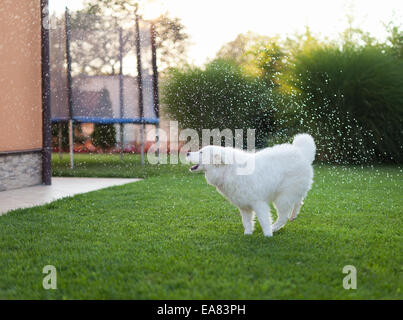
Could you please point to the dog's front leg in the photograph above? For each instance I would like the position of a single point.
(248, 220)
(262, 211)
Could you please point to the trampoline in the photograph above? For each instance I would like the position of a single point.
(75, 94)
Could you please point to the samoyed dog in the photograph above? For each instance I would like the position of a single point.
(281, 174)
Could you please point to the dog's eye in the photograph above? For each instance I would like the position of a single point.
(201, 152)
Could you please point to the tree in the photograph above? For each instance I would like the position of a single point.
(354, 36)
(95, 45)
(238, 50)
(304, 42)
(242, 50)
(260, 56)
(171, 41)
(395, 40)
(269, 59)
(171, 37)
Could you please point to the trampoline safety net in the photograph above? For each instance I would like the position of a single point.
(102, 70)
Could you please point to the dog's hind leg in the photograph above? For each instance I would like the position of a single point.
(262, 211)
(248, 220)
(295, 211)
(283, 207)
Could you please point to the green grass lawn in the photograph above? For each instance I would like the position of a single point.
(171, 236)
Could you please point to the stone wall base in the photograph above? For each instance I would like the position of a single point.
(19, 170)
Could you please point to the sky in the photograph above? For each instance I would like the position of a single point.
(211, 23)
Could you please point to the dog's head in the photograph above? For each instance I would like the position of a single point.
(208, 157)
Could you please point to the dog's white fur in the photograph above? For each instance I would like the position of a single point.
(282, 174)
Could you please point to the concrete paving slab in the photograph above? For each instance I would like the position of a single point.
(60, 188)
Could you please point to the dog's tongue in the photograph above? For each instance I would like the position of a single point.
(194, 167)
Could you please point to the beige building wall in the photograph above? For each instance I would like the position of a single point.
(20, 75)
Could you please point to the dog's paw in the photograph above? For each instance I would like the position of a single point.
(276, 228)
(268, 235)
(248, 232)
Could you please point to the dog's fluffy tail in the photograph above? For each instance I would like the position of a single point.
(306, 144)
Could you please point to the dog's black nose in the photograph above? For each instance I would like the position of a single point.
(188, 154)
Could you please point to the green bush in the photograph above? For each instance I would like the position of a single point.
(104, 135)
(221, 96)
(351, 100)
(65, 135)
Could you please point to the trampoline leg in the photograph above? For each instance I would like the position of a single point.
(142, 143)
(157, 142)
(71, 144)
(60, 141)
(121, 141)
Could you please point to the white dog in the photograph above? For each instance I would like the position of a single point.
(282, 174)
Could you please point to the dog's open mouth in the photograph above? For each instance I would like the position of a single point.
(194, 167)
